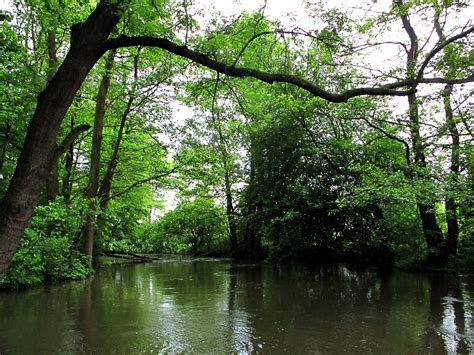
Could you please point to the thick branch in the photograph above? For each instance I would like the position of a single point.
(469, 79)
(413, 51)
(70, 138)
(439, 48)
(270, 78)
(414, 82)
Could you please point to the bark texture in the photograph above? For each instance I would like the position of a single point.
(450, 202)
(38, 150)
(94, 162)
(431, 230)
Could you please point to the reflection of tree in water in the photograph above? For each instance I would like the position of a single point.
(199, 307)
(244, 280)
(40, 320)
(291, 308)
(84, 315)
(451, 315)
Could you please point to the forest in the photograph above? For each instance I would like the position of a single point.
(344, 135)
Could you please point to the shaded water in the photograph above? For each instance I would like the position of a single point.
(209, 306)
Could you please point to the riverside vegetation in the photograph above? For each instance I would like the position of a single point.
(278, 141)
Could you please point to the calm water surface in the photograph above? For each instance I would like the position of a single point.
(217, 306)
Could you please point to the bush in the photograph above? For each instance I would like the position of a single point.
(27, 267)
(193, 227)
(39, 260)
(47, 250)
(62, 261)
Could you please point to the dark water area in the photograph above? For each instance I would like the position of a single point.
(220, 306)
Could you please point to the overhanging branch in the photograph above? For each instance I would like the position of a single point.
(70, 138)
(439, 48)
(270, 78)
(398, 88)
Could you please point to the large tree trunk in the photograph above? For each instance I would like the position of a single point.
(453, 178)
(251, 246)
(252, 238)
(106, 184)
(230, 215)
(39, 147)
(3, 153)
(468, 206)
(52, 183)
(68, 169)
(431, 229)
(105, 187)
(52, 186)
(52, 57)
(94, 164)
(450, 204)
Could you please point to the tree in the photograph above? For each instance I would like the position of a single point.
(439, 246)
(89, 41)
(38, 149)
(94, 170)
(193, 226)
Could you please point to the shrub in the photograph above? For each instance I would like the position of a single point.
(193, 227)
(47, 250)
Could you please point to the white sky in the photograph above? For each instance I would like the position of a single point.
(5, 5)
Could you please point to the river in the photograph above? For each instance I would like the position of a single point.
(219, 306)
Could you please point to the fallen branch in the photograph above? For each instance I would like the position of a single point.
(130, 256)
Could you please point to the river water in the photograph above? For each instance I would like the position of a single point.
(219, 306)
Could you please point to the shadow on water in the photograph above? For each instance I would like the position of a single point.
(202, 306)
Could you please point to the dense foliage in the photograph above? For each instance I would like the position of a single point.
(156, 155)
(196, 227)
(48, 251)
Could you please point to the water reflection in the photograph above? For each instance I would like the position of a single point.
(238, 330)
(204, 306)
(451, 314)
